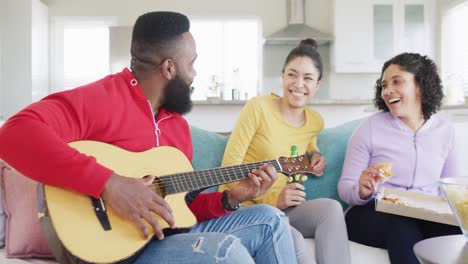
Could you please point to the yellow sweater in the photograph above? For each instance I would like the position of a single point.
(262, 134)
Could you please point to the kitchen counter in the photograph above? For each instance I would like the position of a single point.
(371, 108)
(331, 102)
(456, 106)
(312, 103)
(220, 115)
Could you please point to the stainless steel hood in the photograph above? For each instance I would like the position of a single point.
(297, 30)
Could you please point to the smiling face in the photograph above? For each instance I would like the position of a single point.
(300, 82)
(401, 93)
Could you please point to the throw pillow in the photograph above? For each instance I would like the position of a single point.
(24, 235)
(332, 143)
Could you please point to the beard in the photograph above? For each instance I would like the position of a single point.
(177, 96)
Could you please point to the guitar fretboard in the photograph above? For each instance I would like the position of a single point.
(195, 180)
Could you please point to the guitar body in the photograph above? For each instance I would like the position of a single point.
(73, 218)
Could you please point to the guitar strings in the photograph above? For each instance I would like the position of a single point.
(210, 177)
(182, 182)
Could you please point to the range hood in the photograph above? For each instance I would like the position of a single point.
(297, 30)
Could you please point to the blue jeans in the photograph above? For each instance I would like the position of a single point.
(259, 233)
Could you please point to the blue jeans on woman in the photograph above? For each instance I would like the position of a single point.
(255, 234)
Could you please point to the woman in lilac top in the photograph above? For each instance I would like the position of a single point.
(420, 145)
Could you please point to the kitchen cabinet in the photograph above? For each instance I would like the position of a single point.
(369, 32)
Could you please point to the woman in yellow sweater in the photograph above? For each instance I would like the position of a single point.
(266, 129)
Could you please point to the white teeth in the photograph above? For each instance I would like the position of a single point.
(394, 100)
(297, 93)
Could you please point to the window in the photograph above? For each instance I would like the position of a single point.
(455, 51)
(80, 52)
(228, 63)
(85, 54)
(228, 60)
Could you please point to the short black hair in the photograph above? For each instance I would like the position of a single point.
(307, 48)
(426, 77)
(154, 38)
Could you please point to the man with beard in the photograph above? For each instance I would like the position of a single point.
(137, 110)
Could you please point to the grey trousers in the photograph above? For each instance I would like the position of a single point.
(323, 220)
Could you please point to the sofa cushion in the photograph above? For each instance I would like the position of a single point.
(360, 254)
(24, 236)
(208, 148)
(332, 143)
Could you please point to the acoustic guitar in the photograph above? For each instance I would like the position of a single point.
(92, 233)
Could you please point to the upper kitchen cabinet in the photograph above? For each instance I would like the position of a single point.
(369, 32)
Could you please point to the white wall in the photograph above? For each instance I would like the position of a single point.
(271, 11)
(2, 87)
(119, 50)
(23, 56)
(16, 55)
(39, 50)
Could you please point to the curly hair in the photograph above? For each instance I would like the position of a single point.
(307, 48)
(426, 77)
(155, 37)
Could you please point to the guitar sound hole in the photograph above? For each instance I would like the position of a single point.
(159, 187)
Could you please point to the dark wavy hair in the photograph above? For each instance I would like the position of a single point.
(426, 77)
(155, 37)
(307, 48)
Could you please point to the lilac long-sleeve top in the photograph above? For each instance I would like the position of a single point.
(419, 158)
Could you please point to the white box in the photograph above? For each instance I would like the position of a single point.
(419, 205)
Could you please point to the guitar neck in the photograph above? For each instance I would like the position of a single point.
(195, 180)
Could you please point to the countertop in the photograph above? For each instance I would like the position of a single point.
(320, 102)
(456, 106)
(313, 102)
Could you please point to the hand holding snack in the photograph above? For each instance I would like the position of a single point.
(385, 171)
(372, 176)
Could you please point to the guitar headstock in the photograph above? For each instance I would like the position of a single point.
(293, 165)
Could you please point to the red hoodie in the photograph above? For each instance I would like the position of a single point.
(113, 110)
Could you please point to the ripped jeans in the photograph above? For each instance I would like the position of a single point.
(259, 234)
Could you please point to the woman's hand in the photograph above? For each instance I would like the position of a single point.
(318, 163)
(368, 182)
(292, 194)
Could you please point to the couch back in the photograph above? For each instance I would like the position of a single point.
(209, 149)
(332, 143)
